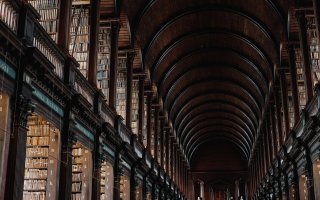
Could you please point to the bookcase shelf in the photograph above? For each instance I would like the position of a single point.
(135, 106)
(79, 34)
(103, 64)
(49, 12)
(144, 132)
(124, 187)
(313, 47)
(42, 151)
(300, 78)
(121, 87)
(106, 181)
(81, 164)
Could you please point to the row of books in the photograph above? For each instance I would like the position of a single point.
(35, 173)
(48, 14)
(35, 184)
(34, 195)
(44, 4)
(104, 86)
(36, 163)
(37, 140)
(76, 187)
(37, 152)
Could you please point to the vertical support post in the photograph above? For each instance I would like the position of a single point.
(156, 133)
(149, 101)
(113, 63)
(129, 89)
(94, 36)
(284, 95)
(141, 108)
(294, 84)
(64, 24)
(305, 54)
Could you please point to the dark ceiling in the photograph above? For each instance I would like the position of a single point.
(213, 62)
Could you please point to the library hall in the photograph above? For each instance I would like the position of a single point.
(159, 99)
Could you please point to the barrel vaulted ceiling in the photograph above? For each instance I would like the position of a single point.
(213, 62)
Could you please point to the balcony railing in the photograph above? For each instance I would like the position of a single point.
(124, 133)
(8, 14)
(82, 86)
(45, 44)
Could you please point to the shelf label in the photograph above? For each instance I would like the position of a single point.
(85, 131)
(7, 69)
(126, 165)
(108, 150)
(42, 97)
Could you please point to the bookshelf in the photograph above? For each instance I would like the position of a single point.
(121, 87)
(144, 132)
(49, 19)
(106, 181)
(81, 168)
(4, 131)
(149, 196)
(138, 192)
(41, 164)
(124, 187)
(152, 132)
(291, 191)
(316, 177)
(135, 106)
(79, 34)
(300, 79)
(290, 101)
(103, 64)
(303, 187)
(314, 47)
(159, 142)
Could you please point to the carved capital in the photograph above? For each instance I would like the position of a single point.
(25, 108)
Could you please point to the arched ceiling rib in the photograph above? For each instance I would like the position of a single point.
(213, 63)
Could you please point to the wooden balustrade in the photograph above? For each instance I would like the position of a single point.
(82, 86)
(8, 14)
(45, 44)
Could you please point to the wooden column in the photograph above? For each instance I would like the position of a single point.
(265, 152)
(305, 54)
(113, 63)
(133, 183)
(149, 102)
(167, 149)
(95, 194)
(294, 84)
(141, 108)
(129, 66)
(116, 176)
(64, 25)
(156, 132)
(171, 158)
(284, 95)
(161, 131)
(20, 109)
(269, 137)
(94, 36)
(17, 148)
(273, 137)
(279, 119)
